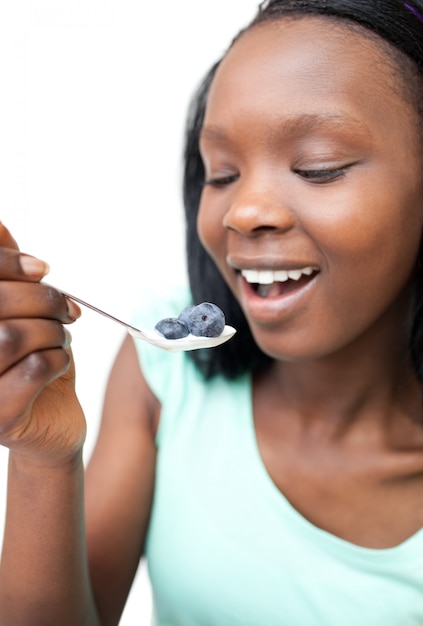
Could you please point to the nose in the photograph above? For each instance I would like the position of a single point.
(256, 208)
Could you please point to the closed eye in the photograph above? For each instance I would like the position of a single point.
(323, 175)
(221, 181)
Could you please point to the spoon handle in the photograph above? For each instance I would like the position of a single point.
(97, 310)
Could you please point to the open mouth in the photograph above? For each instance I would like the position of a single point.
(277, 283)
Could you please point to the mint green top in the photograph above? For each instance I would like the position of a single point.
(225, 547)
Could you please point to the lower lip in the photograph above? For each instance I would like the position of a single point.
(274, 308)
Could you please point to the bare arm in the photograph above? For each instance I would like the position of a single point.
(45, 577)
(43, 573)
(119, 484)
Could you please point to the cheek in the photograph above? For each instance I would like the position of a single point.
(370, 222)
(371, 248)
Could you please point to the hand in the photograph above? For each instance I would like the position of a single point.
(40, 416)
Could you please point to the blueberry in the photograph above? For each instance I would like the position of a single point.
(172, 328)
(206, 320)
(185, 314)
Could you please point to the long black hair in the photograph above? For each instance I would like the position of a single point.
(396, 22)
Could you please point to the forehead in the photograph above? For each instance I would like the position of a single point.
(311, 65)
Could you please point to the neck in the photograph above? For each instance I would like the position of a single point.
(371, 381)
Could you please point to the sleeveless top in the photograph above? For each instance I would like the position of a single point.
(225, 547)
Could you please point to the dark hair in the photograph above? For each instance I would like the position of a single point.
(398, 23)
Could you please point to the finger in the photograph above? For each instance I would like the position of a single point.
(35, 300)
(20, 337)
(17, 266)
(6, 238)
(21, 384)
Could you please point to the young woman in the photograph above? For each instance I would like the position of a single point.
(276, 480)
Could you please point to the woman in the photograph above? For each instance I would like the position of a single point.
(277, 479)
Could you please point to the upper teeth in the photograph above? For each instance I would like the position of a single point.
(267, 277)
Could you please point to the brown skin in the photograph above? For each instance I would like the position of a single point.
(48, 575)
(119, 483)
(338, 417)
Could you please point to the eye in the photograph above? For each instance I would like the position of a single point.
(321, 176)
(221, 181)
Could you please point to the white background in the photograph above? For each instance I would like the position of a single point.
(93, 95)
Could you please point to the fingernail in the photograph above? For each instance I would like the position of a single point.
(73, 309)
(33, 267)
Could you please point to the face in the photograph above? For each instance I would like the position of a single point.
(313, 202)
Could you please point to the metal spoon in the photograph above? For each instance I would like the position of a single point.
(153, 337)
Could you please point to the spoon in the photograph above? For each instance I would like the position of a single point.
(153, 337)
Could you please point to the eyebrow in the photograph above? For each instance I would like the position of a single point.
(298, 126)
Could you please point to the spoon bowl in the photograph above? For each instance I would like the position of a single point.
(154, 338)
(191, 342)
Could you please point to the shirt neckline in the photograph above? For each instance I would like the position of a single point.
(411, 549)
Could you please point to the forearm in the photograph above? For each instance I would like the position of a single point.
(44, 576)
